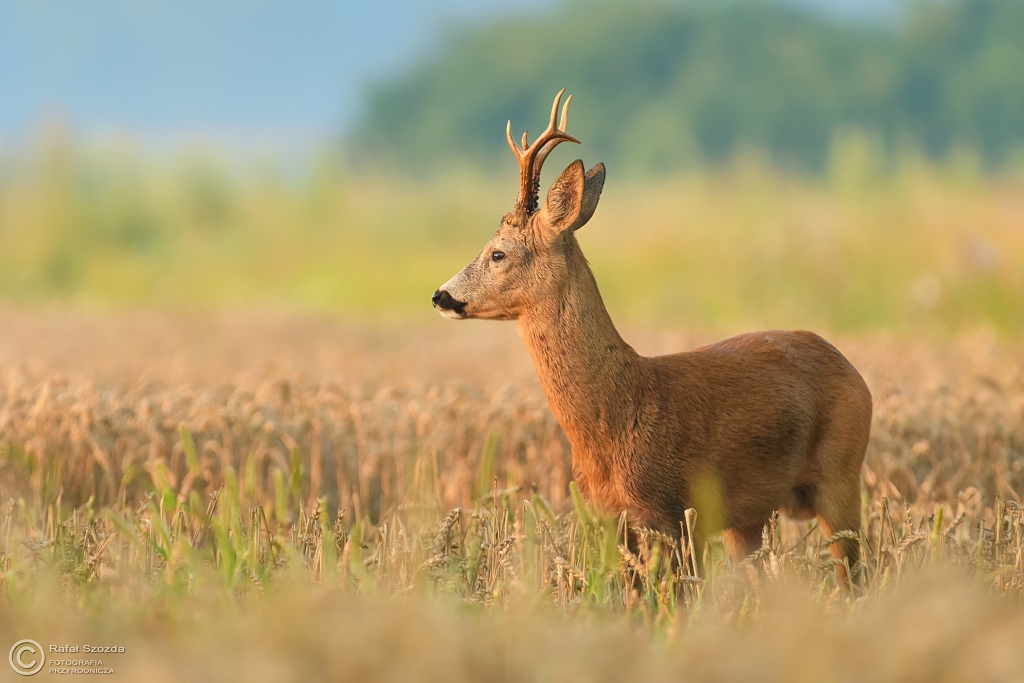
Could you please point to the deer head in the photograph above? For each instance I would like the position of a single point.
(524, 262)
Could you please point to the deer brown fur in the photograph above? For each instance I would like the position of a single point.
(773, 420)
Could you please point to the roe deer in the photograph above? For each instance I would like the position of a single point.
(777, 420)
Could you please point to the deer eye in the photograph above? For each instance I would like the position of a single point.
(497, 255)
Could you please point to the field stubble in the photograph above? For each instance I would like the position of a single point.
(168, 473)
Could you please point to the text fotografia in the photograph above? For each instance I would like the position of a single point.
(75, 649)
(79, 667)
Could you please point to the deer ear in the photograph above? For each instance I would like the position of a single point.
(593, 183)
(573, 198)
(565, 199)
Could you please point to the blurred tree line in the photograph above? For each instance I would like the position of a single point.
(662, 84)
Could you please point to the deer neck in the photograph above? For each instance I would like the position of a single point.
(590, 376)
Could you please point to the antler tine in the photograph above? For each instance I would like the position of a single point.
(551, 144)
(512, 142)
(554, 108)
(531, 157)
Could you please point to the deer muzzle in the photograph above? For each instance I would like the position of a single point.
(447, 306)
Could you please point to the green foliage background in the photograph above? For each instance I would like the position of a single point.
(661, 84)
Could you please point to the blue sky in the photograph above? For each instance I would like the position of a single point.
(216, 67)
(208, 65)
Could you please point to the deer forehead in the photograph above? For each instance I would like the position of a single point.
(525, 232)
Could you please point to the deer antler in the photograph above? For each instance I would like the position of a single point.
(531, 158)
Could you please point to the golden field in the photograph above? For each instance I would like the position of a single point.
(235, 440)
(281, 496)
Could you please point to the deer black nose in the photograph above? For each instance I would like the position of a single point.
(445, 302)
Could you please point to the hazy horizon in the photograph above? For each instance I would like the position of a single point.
(271, 75)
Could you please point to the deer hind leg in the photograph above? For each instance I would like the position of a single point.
(839, 510)
(837, 498)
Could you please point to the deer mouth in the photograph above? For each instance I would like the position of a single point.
(447, 306)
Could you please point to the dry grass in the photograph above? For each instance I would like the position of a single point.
(342, 487)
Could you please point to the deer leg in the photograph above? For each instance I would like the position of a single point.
(837, 501)
(840, 511)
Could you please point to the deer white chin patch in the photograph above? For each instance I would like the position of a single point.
(449, 313)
